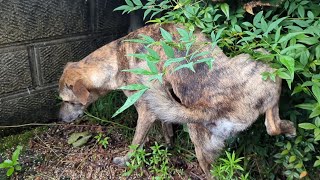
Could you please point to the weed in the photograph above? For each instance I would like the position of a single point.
(13, 163)
(229, 168)
(104, 141)
(137, 160)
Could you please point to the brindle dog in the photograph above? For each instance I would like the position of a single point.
(216, 103)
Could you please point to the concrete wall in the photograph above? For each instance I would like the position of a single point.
(37, 38)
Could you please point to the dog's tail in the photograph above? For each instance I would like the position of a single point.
(168, 110)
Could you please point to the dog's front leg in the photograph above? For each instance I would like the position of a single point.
(145, 121)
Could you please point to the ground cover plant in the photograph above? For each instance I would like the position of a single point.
(288, 31)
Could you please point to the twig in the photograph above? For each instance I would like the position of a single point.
(107, 121)
(51, 124)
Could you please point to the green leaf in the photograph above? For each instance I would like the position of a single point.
(137, 2)
(153, 54)
(316, 163)
(292, 159)
(208, 61)
(225, 9)
(152, 66)
(123, 8)
(289, 36)
(306, 106)
(264, 25)
(301, 11)
(173, 60)
(75, 136)
(307, 126)
(257, 19)
(16, 153)
(316, 92)
(140, 56)
(157, 76)
(167, 50)
(148, 39)
(166, 35)
(188, 66)
(310, 15)
(83, 140)
(129, 3)
(184, 34)
(133, 87)
(293, 47)
(273, 25)
(288, 62)
(277, 35)
(18, 168)
(317, 121)
(130, 101)
(139, 71)
(315, 112)
(10, 171)
(146, 12)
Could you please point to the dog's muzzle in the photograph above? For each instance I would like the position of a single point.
(69, 112)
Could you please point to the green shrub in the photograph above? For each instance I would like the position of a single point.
(289, 32)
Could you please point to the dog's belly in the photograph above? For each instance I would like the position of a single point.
(221, 130)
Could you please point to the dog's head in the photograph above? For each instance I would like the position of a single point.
(74, 92)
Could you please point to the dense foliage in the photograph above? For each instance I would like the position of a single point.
(289, 31)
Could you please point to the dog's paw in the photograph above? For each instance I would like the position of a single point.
(120, 161)
(287, 128)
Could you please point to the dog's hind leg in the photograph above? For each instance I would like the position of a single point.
(144, 123)
(205, 151)
(276, 126)
(167, 131)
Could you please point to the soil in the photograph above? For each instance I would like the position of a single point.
(49, 156)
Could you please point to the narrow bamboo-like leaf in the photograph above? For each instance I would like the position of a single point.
(155, 56)
(133, 87)
(188, 66)
(130, 101)
(139, 71)
(153, 67)
(139, 56)
(273, 25)
(129, 3)
(148, 39)
(157, 77)
(137, 2)
(122, 8)
(168, 50)
(166, 35)
(183, 33)
(173, 60)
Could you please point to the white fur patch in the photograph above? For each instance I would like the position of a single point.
(221, 130)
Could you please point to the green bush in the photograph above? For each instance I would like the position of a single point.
(289, 32)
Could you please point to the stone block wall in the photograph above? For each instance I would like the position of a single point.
(37, 38)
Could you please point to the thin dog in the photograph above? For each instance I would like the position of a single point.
(216, 103)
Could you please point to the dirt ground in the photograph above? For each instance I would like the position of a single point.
(49, 156)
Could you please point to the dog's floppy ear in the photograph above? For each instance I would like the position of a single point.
(81, 92)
